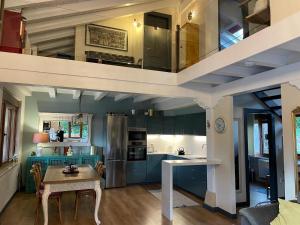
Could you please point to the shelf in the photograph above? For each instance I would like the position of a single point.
(260, 17)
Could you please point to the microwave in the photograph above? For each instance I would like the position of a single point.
(137, 136)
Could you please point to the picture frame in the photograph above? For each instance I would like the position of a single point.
(106, 37)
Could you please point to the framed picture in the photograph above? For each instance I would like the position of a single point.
(106, 37)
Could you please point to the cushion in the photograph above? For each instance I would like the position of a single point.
(289, 213)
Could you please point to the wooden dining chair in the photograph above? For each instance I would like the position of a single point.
(100, 168)
(37, 176)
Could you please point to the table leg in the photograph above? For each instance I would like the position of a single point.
(98, 199)
(45, 203)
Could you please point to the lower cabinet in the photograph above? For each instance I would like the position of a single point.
(154, 167)
(192, 179)
(136, 172)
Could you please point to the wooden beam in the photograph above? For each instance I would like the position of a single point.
(76, 94)
(90, 17)
(143, 98)
(99, 96)
(52, 92)
(121, 97)
(51, 36)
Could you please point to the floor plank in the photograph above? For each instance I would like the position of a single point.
(132, 205)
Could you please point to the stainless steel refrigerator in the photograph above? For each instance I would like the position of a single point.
(116, 151)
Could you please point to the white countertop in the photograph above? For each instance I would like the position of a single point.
(192, 162)
(173, 154)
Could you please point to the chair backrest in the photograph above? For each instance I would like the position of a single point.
(37, 175)
(100, 168)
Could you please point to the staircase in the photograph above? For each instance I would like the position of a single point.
(271, 98)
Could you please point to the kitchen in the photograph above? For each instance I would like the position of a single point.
(62, 127)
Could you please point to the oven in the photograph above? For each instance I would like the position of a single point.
(137, 153)
(137, 144)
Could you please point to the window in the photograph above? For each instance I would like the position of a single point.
(297, 118)
(9, 127)
(261, 137)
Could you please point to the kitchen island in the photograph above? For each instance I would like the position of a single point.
(167, 180)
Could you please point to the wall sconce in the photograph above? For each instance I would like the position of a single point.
(190, 16)
(136, 23)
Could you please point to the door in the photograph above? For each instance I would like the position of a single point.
(264, 152)
(115, 173)
(157, 41)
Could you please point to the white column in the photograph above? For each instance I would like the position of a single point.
(167, 190)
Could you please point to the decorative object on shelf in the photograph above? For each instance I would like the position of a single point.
(70, 151)
(106, 37)
(220, 125)
(40, 138)
(60, 135)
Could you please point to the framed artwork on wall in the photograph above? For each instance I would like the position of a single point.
(106, 37)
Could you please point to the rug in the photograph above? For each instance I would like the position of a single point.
(179, 200)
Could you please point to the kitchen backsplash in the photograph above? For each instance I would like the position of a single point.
(193, 145)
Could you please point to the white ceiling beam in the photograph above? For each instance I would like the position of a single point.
(62, 10)
(55, 44)
(160, 100)
(51, 36)
(266, 79)
(52, 92)
(19, 4)
(71, 21)
(237, 71)
(99, 96)
(53, 52)
(121, 97)
(76, 94)
(175, 104)
(215, 79)
(143, 98)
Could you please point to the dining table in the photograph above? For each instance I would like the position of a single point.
(57, 181)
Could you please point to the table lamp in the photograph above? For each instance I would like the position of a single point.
(40, 138)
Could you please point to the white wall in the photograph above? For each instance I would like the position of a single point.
(8, 184)
(193, 145)
(9, 172)
(290, 100)
(135, 37)
(221, 179)
(281, 9)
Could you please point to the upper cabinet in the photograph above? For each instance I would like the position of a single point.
(193, 124)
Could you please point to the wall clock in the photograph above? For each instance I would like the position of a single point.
(220, 125)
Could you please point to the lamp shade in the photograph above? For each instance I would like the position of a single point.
(40, 138)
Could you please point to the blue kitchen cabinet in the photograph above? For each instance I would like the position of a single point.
(136, 172)
(154, 125)
(154, 167)
(193, 179)
(169, 125)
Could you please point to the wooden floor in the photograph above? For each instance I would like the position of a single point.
(132, 205)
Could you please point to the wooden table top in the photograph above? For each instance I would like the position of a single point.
(55, 175)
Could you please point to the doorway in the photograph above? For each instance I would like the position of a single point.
(260, 157)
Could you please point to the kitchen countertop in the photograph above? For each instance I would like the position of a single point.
(173, 154)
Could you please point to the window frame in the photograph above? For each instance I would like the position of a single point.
(260, 122)
(9, 101)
